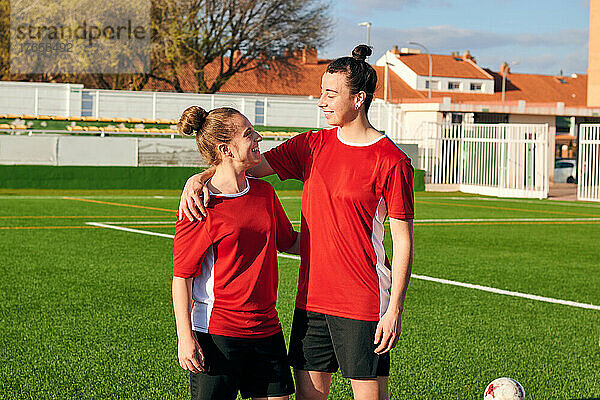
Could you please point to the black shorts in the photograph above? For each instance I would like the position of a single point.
(321, 342)
(256, 367)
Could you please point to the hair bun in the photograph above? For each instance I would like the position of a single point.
(191, 120)
(361, 52)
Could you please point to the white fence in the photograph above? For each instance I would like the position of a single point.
(588, 174)
(37, 98)
(67, 100)
(46, 149)
(506, 160)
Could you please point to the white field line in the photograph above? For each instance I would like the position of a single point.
(422, 277)
(539, 202)
(416, 220)
(507, 220)
(120, 228)
(51, 197)
(138, 222)
(507, 292)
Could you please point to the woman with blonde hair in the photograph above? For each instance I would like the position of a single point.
(225, 269)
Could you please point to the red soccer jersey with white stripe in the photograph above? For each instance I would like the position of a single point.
(349, 190)
(233, 260)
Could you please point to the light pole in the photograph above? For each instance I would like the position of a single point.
(430, 63)
(504, 73)
(368, 25)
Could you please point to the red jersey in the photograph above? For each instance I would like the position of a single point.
(232, 256)
(349, 189)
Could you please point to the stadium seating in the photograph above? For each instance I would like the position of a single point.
(281, 135)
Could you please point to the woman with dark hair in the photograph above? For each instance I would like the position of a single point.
(350, 298)
(225, 269)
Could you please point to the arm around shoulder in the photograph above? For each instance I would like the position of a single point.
(191, 204)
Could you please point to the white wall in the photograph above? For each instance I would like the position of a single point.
(399, 68)
(111, 151)
(48, 149)
(28, 150)
(40, 98)
(540, 119)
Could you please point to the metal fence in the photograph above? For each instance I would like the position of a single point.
(70, 100)
(588, 180)
(506, 160)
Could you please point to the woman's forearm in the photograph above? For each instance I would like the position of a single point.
(182, 296)
(401, 262)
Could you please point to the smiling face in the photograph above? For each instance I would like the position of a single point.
(336, 101)
(243, 147)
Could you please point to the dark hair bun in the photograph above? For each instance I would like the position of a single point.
(191, 120)
(361, 52)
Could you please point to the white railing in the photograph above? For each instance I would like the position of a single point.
(588, 173)
(506, 160)
(70, 100)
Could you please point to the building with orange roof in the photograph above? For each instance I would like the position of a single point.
(459, 90)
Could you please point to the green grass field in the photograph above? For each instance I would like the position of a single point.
(86, 311)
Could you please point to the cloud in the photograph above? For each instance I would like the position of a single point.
(540, 53)
(448, 37)
(366, 7)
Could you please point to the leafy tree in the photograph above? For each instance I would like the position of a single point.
(233, 35)
(207, 41)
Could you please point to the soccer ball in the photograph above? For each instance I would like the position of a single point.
(504, 389)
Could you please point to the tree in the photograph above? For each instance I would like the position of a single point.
(231, 36)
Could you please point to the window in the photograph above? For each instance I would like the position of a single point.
(457, 118)
(490, 118)
(259, 112)
(432, 84)
(87, 103)
(453, 85)
(476, 86)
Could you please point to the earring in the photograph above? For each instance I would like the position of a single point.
(357, 106)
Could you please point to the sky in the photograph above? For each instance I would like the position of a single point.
(542, 36)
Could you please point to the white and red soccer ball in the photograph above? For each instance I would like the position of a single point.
(504, 389)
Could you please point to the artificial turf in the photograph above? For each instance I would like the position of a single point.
(86, 312)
